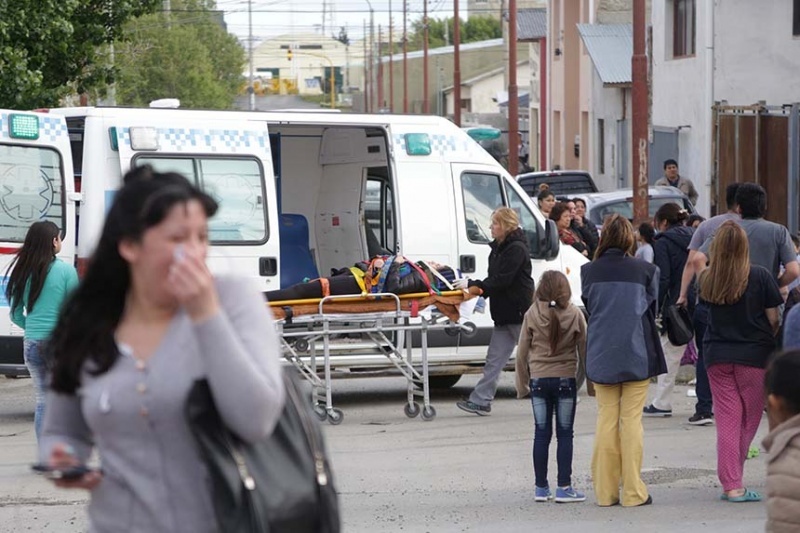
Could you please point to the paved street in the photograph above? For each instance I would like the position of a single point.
(456, 473)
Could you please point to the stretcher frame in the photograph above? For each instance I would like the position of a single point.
(376, 327)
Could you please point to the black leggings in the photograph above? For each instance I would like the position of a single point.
(313, 289)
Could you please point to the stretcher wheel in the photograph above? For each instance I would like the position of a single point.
(411, 409)
(301, 345)
(335, 416)
(320, 413)
(452, 331)
(428, 413)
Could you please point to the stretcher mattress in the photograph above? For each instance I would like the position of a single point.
(447, 303)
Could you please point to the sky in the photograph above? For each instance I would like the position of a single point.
(278, 17)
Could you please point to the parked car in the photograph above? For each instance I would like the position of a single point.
(601, 204)
(563, 183)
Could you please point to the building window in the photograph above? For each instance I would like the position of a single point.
(601, 146)
(684, 18)
(796, 19)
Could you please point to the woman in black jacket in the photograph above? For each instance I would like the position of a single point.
(509, 288)
(670, 252)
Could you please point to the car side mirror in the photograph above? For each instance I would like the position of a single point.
(548, 244)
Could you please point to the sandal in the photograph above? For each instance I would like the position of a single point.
(748, 496)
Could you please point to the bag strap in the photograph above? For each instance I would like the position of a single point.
(384, 273)
(359, 275)
(425, 279)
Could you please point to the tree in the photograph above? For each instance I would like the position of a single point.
(440, 31)
(51, 48)
(187, 55)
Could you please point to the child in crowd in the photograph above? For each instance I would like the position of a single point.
(783, 443)
(553, 335)
(645, 236)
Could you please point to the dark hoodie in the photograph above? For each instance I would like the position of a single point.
(670, 251)
(509, 285)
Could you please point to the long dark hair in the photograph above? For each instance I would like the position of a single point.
(553, 288)
(32, 262)
(85, 329)
(674, 214)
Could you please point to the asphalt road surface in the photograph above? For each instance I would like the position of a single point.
(457, 473)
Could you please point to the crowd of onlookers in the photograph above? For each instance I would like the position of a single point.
(737, 277)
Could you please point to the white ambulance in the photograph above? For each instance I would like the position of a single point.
(302, 193)
(35, 184)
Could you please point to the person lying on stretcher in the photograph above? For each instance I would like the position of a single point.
(393, 274)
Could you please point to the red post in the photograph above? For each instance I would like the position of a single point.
(381, 102)
(456, 66)
(513, 98)
(425, 103)
(543, 105)
(391, 63)
(639, 114)
(405, 57)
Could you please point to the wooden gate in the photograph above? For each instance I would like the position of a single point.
(751, 143)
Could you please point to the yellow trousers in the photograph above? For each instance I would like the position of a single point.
(619, 443)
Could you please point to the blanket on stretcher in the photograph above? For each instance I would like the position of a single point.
(447, 303)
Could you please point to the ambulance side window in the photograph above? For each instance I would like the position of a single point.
(482, 195)
(237, 184)
(529, 224)
(31, 189)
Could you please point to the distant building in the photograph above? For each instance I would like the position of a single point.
(301, 64)
(494, 8)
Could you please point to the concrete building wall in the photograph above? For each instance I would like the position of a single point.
(483, 93)
(755, 55)
(440, 75)
(682, 96)
(493, 8)
(565, 69)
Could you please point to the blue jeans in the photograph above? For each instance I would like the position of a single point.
(553, 396)
(33, 351)
(705, 403)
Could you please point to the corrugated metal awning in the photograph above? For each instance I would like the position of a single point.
(611, 47)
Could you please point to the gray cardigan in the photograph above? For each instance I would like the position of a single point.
(153, 477)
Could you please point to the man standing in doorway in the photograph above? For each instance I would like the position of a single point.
(673, 179)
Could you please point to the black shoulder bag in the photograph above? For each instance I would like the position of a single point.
(678, 324)
(281, 484)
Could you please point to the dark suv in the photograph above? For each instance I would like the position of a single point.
(563, 183)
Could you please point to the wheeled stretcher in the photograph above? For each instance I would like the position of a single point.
(384, 321)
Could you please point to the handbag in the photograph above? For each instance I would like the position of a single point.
(280, 484)
(678, 324)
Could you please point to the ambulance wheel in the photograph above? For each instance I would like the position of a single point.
(335, 416)
(411, 409)
(442, 382)
(428, 413)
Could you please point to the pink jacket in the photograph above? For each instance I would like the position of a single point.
(783, 477)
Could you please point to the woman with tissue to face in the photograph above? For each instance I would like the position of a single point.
(509, 288)
(147, 321)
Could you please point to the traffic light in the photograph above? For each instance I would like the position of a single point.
(289, 54)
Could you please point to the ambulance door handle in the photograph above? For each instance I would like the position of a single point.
(267, 266)
(467, 264)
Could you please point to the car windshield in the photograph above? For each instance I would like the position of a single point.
(598, 213)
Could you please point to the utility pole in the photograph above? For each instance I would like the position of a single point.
(366, 72)
(639, 97)
(391, 62)
(250, 89)
(425, 98)
(405, 57)
(513, 99)
(381, 102)
(456, 66)
(372, 58)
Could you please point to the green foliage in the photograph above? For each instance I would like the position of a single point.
(440, 31)
(51, 48)
(187, 55)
